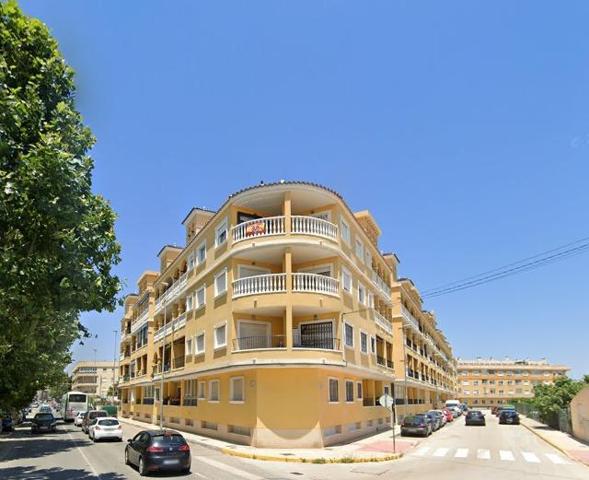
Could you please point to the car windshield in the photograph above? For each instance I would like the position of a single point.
(77, 398)
(111, 422)
(43, 416)
(97, 414)
(412, 421)
(172, 439)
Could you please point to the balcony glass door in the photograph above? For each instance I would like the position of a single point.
(253, 335)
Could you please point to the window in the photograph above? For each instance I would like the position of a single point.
(201, 297)
(345, 231)
(189, 302)
(368, 258)
(191, 261)
(373, 345)
(221, 283)
(349, 391)
(346, 281)
(201, 390)
(361, 294)
(333, 390)
(189, 393)
(214, 391)
(363, 342)
(201, 253)
(188, 348)
(221, 336)
(360, 250)
(370, 299)
(200, 343)
(349, 335)
(359, 390)
(221, 233)
(236, 390)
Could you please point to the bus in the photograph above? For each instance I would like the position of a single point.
(72, 403)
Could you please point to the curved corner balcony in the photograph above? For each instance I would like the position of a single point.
(271, 226)
(276, 283)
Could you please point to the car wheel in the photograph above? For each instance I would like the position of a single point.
(127, 457)
(141, 467)
(186, 471)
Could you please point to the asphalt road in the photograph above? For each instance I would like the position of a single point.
(493, 452)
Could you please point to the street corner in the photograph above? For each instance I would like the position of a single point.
(387, 446)
(581, 456)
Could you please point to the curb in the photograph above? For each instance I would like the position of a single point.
(275, 458)
(551, 443)
(318, 460)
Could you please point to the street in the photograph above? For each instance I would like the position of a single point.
(456, 451)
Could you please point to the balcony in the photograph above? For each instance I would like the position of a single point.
(279, 342)
(314, 283)
(276, 283)
(382, 286)
(270, 226)
(259, 284)
(409, 319)
(381, 361)
(175, 325)
(383, 323)
(172, 292)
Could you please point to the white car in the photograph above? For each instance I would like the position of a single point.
(79, 419)
(105, 427)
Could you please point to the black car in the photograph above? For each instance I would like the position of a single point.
(474, 417)
(43, 422)
(509, 416)
(416, 425)
(153, 450)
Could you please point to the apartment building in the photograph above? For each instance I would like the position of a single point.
(490, 382)
(93, 377)
(279, 324)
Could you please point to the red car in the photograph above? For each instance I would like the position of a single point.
(448, 414)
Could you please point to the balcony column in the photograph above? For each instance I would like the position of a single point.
(288, 312)
(287, 212)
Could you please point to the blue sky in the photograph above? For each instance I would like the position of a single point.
(462, 126)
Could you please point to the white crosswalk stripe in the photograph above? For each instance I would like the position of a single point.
(530, 457)
(506, 455)
(441, 452)
(422, 451)
(461, 453)
(554, 458)
(483, 454)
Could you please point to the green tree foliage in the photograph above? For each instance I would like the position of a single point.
(57, 241)
(550, 399)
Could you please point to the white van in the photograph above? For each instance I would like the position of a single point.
(452, 403)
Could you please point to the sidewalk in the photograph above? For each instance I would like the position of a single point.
(562, 441)
(376, 448)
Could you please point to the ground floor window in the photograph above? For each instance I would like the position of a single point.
(237, 390)
(214, 391)
(333, 390)
(349, 391)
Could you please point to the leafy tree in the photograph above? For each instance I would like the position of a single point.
(57, 241)
(549, 400)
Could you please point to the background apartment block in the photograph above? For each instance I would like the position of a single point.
(489, 382)
(94, 377)
(280, 323)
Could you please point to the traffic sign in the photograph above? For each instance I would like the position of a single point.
(386, 401)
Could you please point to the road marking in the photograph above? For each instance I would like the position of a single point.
(530, 457)
(238, 473)
(461, 453)
(483, 454)
(506, 455)
(441, 452)
(554, 458)
(199, 475)
(422, 451)
(96, 474)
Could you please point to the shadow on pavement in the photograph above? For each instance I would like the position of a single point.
(55, 473)
(22, 444)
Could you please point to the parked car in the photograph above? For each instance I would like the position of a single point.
(440, 415)
(436, 422)
(43, 422)
(153, 450)
(79, 419)
(7, 424)
(105, 427)
(509, 417)
(91, 415)
(474, 417)
(449, 414)
(456, 411)
(416, 425)
(502, 408)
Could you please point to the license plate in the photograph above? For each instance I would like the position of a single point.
(170, 462)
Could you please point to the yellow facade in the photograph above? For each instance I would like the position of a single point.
(489, 382)
(279, 324)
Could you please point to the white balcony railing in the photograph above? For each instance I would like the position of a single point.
(259, 284)
(313, 226)
(171, 293)
(312, 282)
(383, 323)
(175, 325)
(260, 227)
(409, 319)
